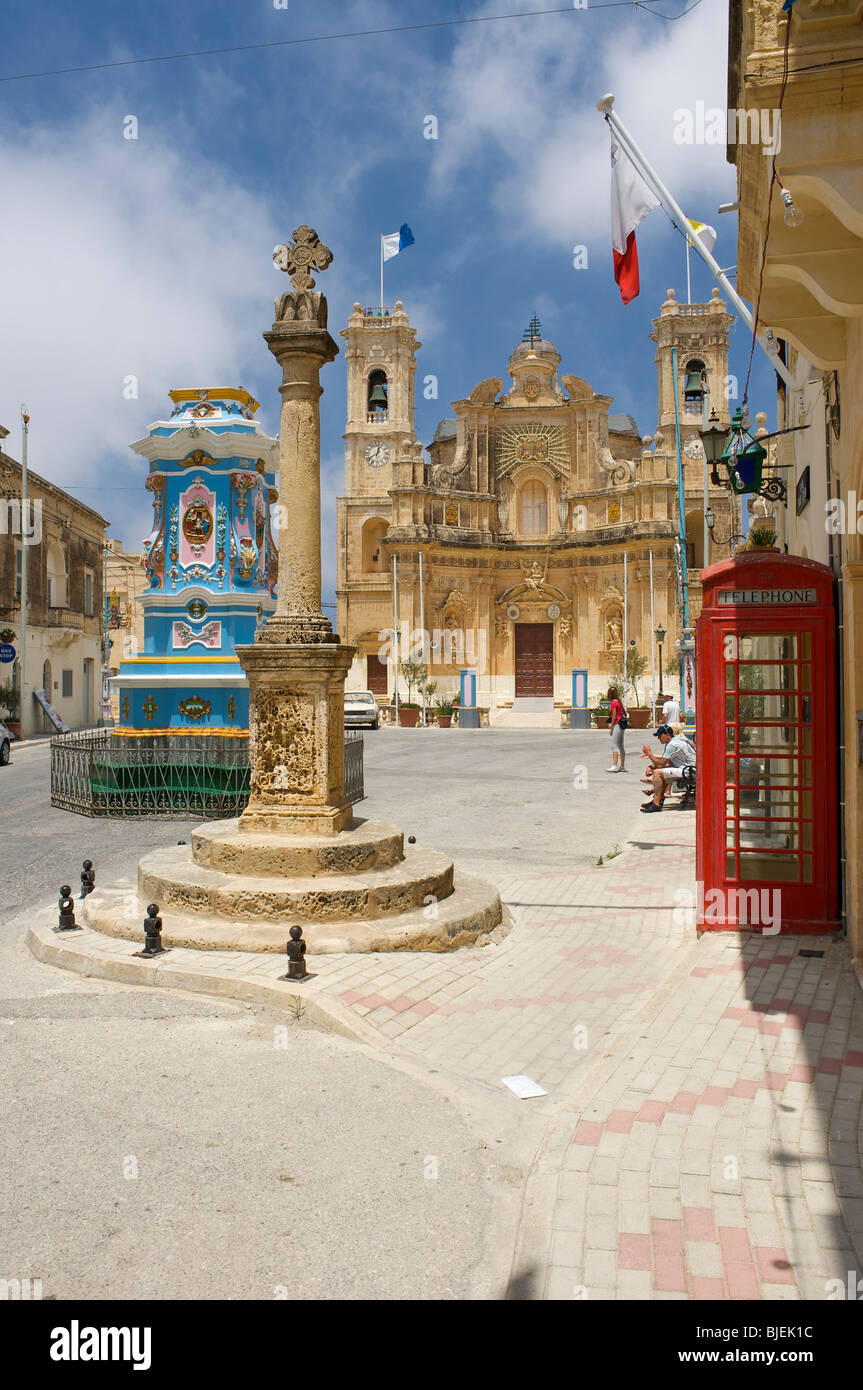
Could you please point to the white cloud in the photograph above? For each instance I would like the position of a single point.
(521, 100)
(122, 258)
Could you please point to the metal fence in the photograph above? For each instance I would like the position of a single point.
(95, 773)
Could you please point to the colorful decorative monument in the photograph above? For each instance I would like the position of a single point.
(211, 563)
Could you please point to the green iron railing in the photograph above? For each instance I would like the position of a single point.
(95, 773)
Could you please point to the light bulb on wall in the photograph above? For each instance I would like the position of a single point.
(792, 216)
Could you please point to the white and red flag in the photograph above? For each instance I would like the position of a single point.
(631, 201)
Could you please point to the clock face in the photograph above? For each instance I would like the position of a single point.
(377, 454)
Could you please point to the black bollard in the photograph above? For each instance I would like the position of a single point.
(412, 839)
(66, 920)
(152, 934)
(296, 953)
(88, 878)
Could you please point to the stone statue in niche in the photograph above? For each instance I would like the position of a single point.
(613, 629)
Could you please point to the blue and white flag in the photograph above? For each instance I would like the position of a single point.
(397, 241)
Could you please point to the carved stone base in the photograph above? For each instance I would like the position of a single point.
(296, 736)
(307, 630)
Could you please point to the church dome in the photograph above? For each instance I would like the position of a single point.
(445, 430)
(541, 346)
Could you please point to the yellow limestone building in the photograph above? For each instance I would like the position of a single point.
(519, 517)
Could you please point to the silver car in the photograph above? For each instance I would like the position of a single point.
(361, 707)
(5, 744)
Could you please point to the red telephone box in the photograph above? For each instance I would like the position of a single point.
(766, 719)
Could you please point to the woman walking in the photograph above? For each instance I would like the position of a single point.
(618, 723)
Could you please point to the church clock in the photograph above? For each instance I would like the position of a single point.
(377, 453)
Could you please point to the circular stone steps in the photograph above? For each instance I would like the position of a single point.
(171, 878)
(472, 915)
(366, 845)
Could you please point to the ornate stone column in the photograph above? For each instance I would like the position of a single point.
(297, 666)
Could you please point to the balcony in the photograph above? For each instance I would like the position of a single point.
(813, 268)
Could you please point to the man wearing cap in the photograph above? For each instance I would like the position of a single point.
(677, 753)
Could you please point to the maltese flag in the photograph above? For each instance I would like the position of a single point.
(631, 201)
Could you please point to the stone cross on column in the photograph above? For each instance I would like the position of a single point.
(297, 667)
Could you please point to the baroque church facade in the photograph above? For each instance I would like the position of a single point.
(503, 550)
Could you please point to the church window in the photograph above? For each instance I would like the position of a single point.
(533, 509)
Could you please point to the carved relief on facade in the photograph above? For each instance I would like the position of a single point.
(612, 618)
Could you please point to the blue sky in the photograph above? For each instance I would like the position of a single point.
(152, 257)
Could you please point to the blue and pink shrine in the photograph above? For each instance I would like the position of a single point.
(211, 564)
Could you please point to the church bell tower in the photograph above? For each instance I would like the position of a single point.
(381, 358)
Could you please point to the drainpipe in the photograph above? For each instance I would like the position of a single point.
(835, 544)
(24, 709)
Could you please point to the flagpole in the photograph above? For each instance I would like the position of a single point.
(625, 627)
(605, 105)
(652, 638)
(688, 281)
(382, 275)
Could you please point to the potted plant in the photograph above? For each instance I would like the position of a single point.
(10, 703)
(626, 678)
(761, 537)
(444, 706)
(415, 675)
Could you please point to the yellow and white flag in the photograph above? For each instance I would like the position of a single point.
(706, 235)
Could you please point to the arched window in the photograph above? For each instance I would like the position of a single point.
(694, 386)
(533, 509)
(55, 563)
(695, 540)
(377, 393)
(374, 558)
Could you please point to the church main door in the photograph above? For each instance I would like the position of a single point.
(534, 660)
(376, 675)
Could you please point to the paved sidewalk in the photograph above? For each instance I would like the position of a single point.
(701, 1127)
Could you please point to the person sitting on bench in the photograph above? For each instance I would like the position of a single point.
(677, 753)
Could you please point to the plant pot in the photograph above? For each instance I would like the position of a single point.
(639, 718)
(408, 718)
(14, 726)
(444, 721)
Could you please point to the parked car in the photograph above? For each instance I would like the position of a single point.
(361, 707)
(5, 744)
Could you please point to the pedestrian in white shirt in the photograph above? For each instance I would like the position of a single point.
(670, 711)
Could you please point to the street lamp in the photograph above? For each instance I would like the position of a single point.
(659, 634)
(713, 438)
(710, 518)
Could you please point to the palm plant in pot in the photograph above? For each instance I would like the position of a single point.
(444, 706)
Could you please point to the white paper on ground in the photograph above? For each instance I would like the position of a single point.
(523, 1087)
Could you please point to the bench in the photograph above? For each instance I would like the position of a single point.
(687, 777)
